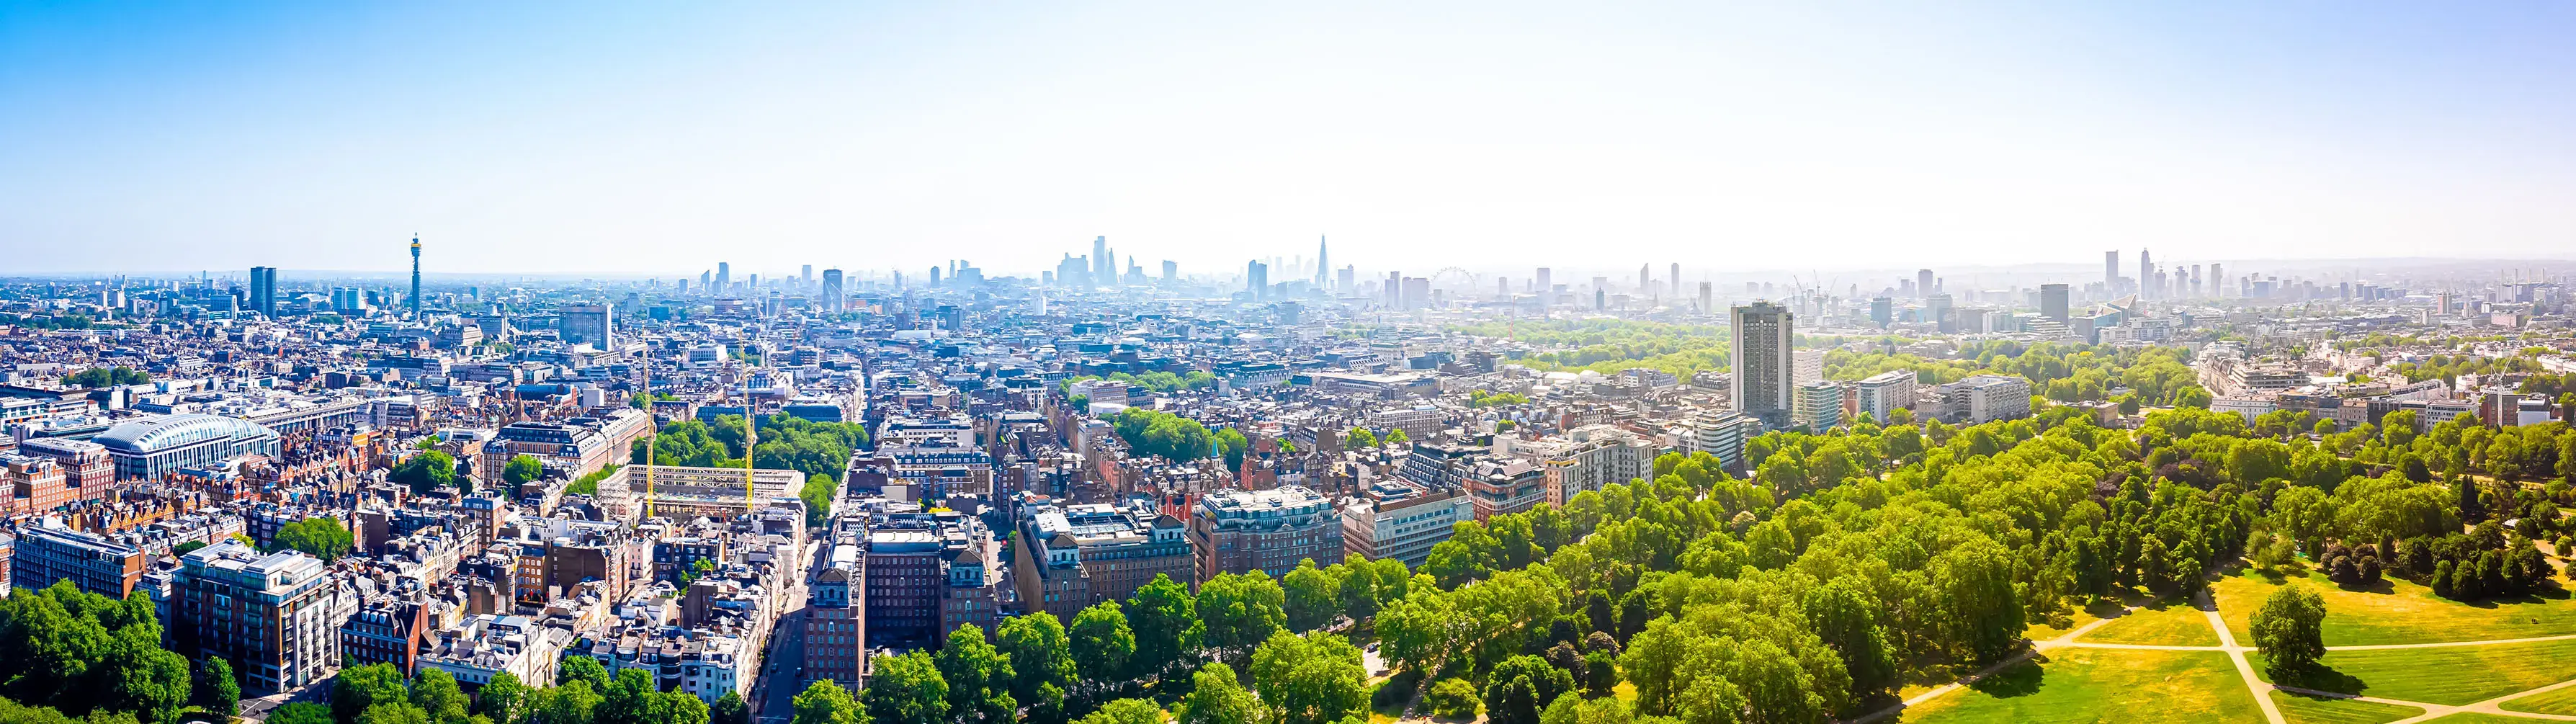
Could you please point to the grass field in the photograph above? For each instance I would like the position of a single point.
(2398, 612)
(2471, 717)
(2165, 624)
(2562, 701)
(2083, 686)
(2320, 710)
(2445, 675)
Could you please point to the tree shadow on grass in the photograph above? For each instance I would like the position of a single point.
(2019, 679)
(2321, 678)
(2380, 586)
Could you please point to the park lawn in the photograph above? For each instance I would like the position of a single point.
(2561, 701)
(2322, 710)
(2168, 623)
(2398, 613)
(2451, 675)
(2083, 686)
(2471, 717)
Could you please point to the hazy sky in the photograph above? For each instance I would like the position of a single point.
(633, 137)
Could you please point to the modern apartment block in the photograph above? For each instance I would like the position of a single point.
(275, 616)
(1403, 522)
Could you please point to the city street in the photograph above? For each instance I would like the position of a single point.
(782, 662)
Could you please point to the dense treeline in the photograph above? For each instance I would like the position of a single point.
(83, 655)
(2057, 371)
(583, 693)
(786, 443)
(107, 376)
(1848, 565)
(1176, 438)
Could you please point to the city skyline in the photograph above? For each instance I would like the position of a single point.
(842, 135)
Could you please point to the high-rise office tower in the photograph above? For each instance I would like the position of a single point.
(415, 277)
(1321, 263)
(1882, 310)
(2218, 280)
(833, 297)
(2052, 301)
(724, 279)
(1764, 350)
(2111, 272)
(1348, 279)
(1645, 279)
(2147, 286)
(1171, 270)
(1543, 283)
(2195, 280)
(1707, 297)
(263, 290)
(591, 323)
(806, 277)
(1922, 283)
(1102, 268)
(1256, 279)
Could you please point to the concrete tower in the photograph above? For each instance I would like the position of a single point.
(415, 276)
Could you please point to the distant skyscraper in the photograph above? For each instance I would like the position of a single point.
(1922, 283)
(2111, 272)
(833, 297)
(1322, 263)
(807, 278)
(1764, 348)
(1256, 279)
(1349, 278)
(1677, 279)
(2218, 280)
(1645, 279)
(2052, 301)
(1104, 268)
(1882, 310)
(724, 279)
(1707, 298)
(1543, 282)
(415, 277)
(263, 290)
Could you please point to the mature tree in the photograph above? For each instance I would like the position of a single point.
(1216, 698)
(1312, 679)
(395, 712)
(503, 699)
(730, 710)
(1103, 644)
(573, 702)
(633, 698)
(2288, 629)
(825, 702)
(906, 689)
(1310, 596)
(1359, 438)
(978, 676)
(359, 688)
(582, 668)
(302, 712)
(1239, 611)
(435, 691)
(1163, 614)
(323, 538)
(523, 469)
(1042, 657)
(215, 688)
(1125, 711)
(1845, 615)
(425, 473)
(1452, 698)
(1521, 687)
(1986, 613)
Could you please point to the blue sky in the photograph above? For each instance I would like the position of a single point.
(641, 137)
